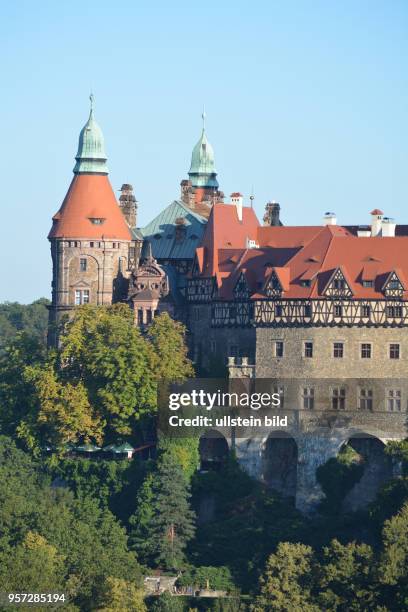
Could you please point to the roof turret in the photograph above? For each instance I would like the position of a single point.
(91, 157)
(202, 171)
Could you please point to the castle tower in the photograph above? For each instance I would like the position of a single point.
(89, 238)
(201, 190)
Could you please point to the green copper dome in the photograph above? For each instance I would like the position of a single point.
(91, 157)
(202, 171)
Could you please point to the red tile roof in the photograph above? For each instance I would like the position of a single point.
(90, 196)
(311, 254)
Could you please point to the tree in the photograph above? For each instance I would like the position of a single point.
(172, 525)
(346, 578)
(34, 566)
(100, 347)
(338, 476)
(168, 340)
(167, 603)
(32, 319)
(119, 595)
(141, 522)
(286, 582)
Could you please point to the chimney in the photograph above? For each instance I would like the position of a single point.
(271, 216)
(330, 218)
(388, 227)
(376, 221)
(238, 199)
(128, 204)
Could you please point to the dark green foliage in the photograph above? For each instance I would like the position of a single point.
(75, 541)
(172, 523)
(31, 319)
(337, 477)
(215, 578)
(167, 603)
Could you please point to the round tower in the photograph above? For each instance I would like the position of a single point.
(89, 238)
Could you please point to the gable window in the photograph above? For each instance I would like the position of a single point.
(308, 398)
(308, 349)
(339, 284)
(338, 350)
(81, 296)
(393, 285)
(338, 398)
(365, 399)
(393, 401)
(82, 264)
(279, 348)
(394, 350)
(366, 350)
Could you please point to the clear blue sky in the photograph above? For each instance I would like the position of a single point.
(305, 100)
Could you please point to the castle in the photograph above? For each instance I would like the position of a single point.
(320, 311)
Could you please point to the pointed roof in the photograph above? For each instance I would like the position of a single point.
(90, 210)
(202, 171)
(91, 156)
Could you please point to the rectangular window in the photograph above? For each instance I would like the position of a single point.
(365, 399)
(394, 311)
(338, 398)
(149, 316)
(81, 296)
(365, 311)
(140, 316)
(308, 349)
(279, 348)
(339, 283)
(307, 310)
(82, 264)
(91, 244)
(278, 389)
(366, 350)
(308, 398)
(394, 351)
(394, 400)
(338, 350)
(278, 310)
(338, 310)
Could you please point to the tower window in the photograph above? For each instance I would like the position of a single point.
(81, 296)
(82, 264)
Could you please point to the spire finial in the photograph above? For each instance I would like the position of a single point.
(203, 117)
(91, 99)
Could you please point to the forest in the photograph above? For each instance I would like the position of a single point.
(94, 527)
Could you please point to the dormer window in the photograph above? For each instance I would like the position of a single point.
(368, 283)
(97, 220)
(393, 286)
(337, 285)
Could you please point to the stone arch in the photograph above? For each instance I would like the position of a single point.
(378, 469)
(279, 463)
(213, 448)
